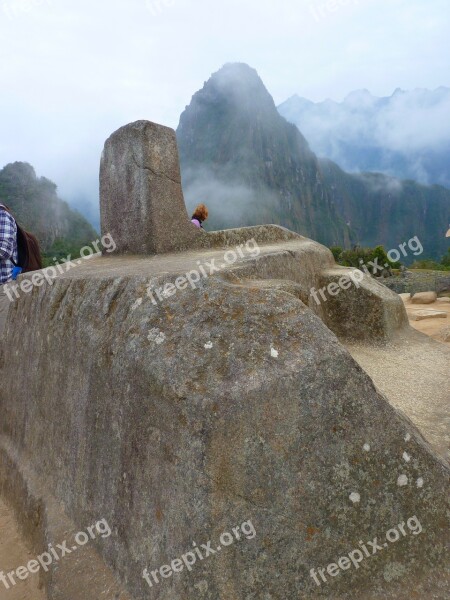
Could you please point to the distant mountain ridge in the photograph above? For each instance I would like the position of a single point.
(37, 207)
(244, 160)
(387, 211)
(406, 135)
(251, 166)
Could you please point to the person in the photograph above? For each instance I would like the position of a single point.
(200, 215)
(8, 254)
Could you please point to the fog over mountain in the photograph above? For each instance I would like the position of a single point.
(37, 206)
(406, 135)
(250, 165)
(69, 82)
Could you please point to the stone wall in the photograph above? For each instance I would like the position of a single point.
(248, 409)
(419, 281)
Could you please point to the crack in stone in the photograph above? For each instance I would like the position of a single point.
(154, 172)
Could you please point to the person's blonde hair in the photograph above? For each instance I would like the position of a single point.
(200, 213)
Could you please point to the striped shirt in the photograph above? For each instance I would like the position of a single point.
(8, 245)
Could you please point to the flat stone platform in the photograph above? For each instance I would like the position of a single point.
(183, 262)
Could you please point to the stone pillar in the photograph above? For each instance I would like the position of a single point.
(141, 199)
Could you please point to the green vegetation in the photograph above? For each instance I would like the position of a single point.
(358, 257)
(60, 250)
(36, 206)
(363, 256)
(432, 265)
(446, 260)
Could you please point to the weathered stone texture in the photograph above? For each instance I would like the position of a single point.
(141, 199)
(249, 409)
(424, 298)
(227, 402)
(367, 311)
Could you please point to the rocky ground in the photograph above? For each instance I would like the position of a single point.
(412, 370)
(437, 327)
(419, 281)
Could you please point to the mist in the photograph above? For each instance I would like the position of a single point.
(73, 73)
(230, 203)
(405, 135)
(377, 183)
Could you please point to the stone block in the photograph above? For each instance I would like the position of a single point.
(141, 199)
(424, 298)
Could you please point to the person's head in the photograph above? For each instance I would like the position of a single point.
(200, 213)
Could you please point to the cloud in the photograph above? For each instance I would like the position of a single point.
(406, 134)
(381, 183)
(414, 121)
(230, 203)
(73, 72)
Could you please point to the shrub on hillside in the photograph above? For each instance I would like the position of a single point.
(358, 257)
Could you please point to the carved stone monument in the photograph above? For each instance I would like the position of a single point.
(141, 198)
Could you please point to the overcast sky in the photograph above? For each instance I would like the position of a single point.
(73, 71)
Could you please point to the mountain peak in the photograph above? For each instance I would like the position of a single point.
(238, 82)
(36, 205)
(248, 162)
(296, 102)
(360, 98)
(20, 170)
(237, 70)
(235, 92)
